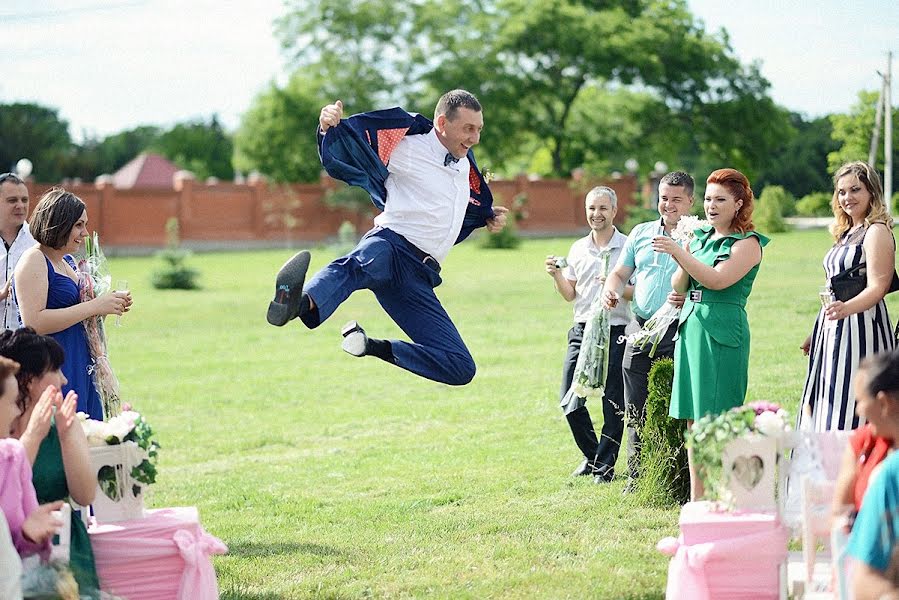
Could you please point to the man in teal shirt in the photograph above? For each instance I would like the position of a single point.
(651, 274)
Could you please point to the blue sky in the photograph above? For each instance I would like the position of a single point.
(115, 64)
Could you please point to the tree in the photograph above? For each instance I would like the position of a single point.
(852, 132)
(537, 66)
(277, 134)
(35, 132)
(205, 149)
(95, 157)
(800, 163)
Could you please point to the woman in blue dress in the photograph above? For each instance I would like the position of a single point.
(46, 285)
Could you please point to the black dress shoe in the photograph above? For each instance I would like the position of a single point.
(287, 302)
(585, 468)
(355, 341)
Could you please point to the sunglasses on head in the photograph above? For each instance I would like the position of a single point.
(10, 177)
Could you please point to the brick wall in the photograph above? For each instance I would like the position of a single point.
(260, 213)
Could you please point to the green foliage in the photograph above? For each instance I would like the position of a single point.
(799, 163)
(174, 274)
(816, 204)
(894, 203)
(277, 133)
(632, 78)
(636, 215)
(35, 132)
(204, 149)
(664, 477)
(769, 211)
(350, 197)
(852, 131)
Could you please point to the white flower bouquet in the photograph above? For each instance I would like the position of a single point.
(654, 328)
(94, 280)
(592, 365)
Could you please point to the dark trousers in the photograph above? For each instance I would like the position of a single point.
(635, 367)
(386, 263)
(602, 452)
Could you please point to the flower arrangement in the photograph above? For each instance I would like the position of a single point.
(654, 328)
(592, 365)
(49, 581)
(94, 280)
(129, 427)
(712, 433)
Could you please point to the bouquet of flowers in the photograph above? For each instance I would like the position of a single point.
(593, 360)
(94, 280)
(50, 581)
(127, 428)
(711, 433)
(654, 328)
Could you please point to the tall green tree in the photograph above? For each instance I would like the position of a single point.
(95, 157)
(537, 67)
(203, 148)
(800, 164)
(277, 134)
(852, 131)
(35, 132)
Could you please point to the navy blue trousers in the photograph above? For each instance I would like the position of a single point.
(386, 263)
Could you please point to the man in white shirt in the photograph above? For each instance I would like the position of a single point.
(581, 282)
(427, 193)
(16, 239)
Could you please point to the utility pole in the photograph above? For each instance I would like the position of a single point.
(878, 117)
(888, 133)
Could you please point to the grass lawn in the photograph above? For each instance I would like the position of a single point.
(335, 477)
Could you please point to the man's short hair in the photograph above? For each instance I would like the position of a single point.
(679, 179)
(450, 103)
(602, 190)
(54, 216)
(4, 177)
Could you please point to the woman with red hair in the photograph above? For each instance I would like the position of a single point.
(716, 272)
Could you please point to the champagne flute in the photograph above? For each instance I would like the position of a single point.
(121, 285)
(825, 294)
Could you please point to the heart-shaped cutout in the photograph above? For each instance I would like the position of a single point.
(748, 470)
(108, 484)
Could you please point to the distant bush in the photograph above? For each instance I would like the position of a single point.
(637, 215)
(816, 204)
(174, 275)
(769, 214)
(507, 238)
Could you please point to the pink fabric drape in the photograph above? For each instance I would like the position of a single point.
(725, 562)
(160, 557)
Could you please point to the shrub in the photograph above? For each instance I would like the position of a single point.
(769, 214)
(664, 476)
(507, 238)
(816, 204)
(174, 274)
(635, 216)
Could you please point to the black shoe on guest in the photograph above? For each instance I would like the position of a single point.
(288, 302)
(585, 468)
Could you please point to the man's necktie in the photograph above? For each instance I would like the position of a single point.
(449, 159)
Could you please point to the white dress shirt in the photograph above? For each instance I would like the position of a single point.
(584, 270)
(426, 201)
(9, 309)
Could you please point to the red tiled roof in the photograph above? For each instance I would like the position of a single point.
(145, 170)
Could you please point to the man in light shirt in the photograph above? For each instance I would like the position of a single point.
(16, 239)
(423, 176)
(581, 282)
(651, 273)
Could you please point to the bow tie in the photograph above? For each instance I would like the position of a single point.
(449, 159)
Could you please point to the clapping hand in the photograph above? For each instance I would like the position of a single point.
(41, 524)
(65, 413)
(39, 423)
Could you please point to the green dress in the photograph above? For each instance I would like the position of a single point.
(49, 479)
(711, 355)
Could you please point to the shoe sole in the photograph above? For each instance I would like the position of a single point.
(353, 339)
(285, 305)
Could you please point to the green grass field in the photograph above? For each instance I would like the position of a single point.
(335, 477)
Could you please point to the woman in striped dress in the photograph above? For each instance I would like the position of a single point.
(847, 331)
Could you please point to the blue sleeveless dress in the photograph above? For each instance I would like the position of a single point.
(62, 292)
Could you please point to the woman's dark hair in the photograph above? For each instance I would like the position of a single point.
(54, 216)
(36, 354)
(883, 372)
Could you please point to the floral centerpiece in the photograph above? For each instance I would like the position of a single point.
(94, 280)
(124, 454)
(712, 434)
(654, 328)
(592, 365)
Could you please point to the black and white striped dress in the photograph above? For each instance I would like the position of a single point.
(828, 399)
